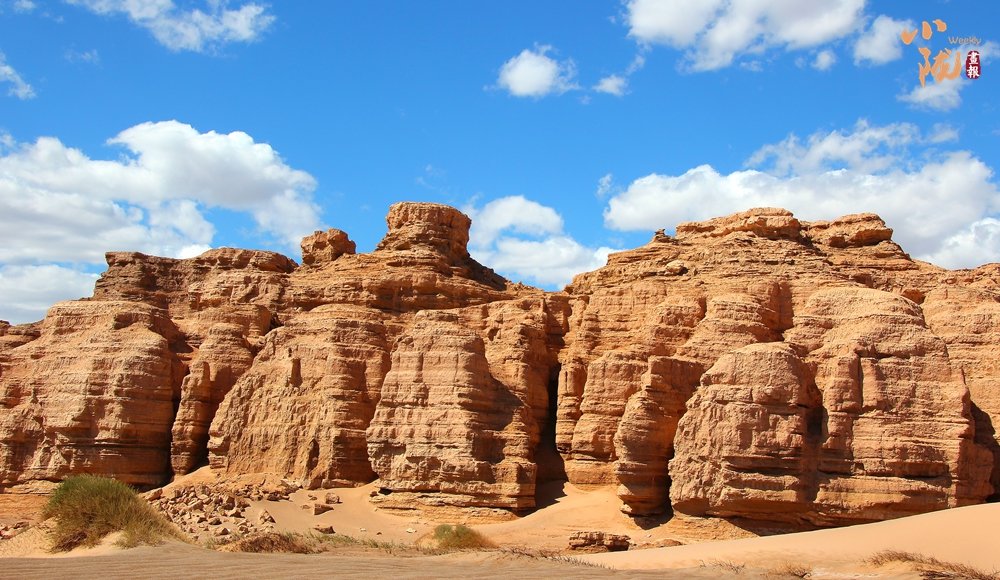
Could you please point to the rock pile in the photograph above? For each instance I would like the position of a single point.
(599, 542)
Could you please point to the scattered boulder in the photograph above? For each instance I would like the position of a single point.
(599, 541)
(320, 508)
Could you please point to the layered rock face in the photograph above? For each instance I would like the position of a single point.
(750, 366)
(814, 389)
(102, 412)
(463, 407)
(302, 409)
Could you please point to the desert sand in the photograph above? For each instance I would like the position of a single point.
(966, 535)
(963, 535)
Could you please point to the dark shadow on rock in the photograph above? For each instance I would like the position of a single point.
(986, 436)
(548, 493)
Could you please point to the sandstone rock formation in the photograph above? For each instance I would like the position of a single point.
(751, 366)
(825, 396)
(463, 406)
(63, 413)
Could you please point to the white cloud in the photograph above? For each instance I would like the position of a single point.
(69, 208)
(675, 23)
(617, 84)
(881, 43)
(26, 292)
(935, 96)
(715, 32)
(195, 30)
(865, 148)
(551, 262)
(942, 133)
(513, 213)
(86, 56)
(605, 184)
(24, 6)
(933, 205)
(613, 85)
(824, 60)
(19, 88)
(524, 240)
(534, 74)
(976, 244)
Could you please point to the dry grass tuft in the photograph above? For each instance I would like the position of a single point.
(792, 569)
(326, 542)
(272, 543)
(87, 508)
(727, 565)
(931, 567)
(460, 537)
(536, 554)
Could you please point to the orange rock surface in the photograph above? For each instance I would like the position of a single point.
(749, 366)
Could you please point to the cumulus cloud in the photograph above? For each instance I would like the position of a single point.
(941, 207)
(19, 88)
(613, 85)
(533, 73)
(524, 240)
(68, 207)
(194, 30)
(864, 148)
(824, 60)
(978, 243)
(715, 32)
(617, 84)
(880, 42)
(935, 96)
(513, 213)
(27, 292)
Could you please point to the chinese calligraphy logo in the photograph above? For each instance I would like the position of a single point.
(972, 65)
(943, 68)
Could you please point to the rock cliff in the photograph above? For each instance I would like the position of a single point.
(751, 366)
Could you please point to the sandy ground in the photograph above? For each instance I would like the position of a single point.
(965, 535)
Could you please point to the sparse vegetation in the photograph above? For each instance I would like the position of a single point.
(273, 543)
(728, 565)
(88, 508)
(536, 554)
(931, 567)
(794, 570)
(328, 541)
(460, 537)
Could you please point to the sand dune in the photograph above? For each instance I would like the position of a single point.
(965, 535)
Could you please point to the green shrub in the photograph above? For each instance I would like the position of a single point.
(88, 508)
(460, 538)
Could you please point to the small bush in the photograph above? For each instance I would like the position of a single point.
(460, 538)
(88, 508)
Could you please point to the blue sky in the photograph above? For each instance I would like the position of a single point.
(566, 129)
